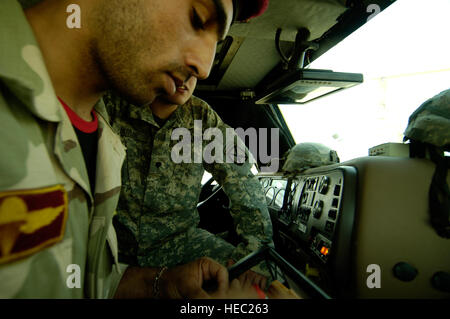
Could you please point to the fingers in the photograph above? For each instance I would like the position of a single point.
(240, 290)
(230, 262)
(222, 279)
(205, 278)
(214, 272)
(251, 277)
(278, 291)
(199, 294)
(235, 284)
(261, 281)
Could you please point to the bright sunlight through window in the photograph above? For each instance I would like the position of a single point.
(404, 55)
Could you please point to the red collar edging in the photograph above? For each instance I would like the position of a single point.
(78, 122)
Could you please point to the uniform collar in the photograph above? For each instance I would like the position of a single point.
(185, 114)
(143, 113)
(22, 67)
(182, 117)
(101, 110)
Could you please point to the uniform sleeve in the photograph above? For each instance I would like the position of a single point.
(248, 204)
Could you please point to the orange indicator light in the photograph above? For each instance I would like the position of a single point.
(324, 251)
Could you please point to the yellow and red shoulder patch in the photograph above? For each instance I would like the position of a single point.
(31, 220)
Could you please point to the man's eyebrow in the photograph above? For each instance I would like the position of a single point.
(221, 18)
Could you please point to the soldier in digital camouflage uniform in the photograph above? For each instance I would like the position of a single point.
(53, 226)
(157, 221)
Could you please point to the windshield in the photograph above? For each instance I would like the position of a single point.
(404, 56)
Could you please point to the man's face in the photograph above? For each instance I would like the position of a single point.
(147, 48)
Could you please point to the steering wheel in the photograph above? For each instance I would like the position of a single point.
(214, 212)
(214, 192)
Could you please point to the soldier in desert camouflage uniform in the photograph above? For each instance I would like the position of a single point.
(50, 218)
(157, 221)
(44, 182)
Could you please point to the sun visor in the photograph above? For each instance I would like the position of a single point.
(316, 15)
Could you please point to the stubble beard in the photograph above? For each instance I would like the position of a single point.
(118, 50)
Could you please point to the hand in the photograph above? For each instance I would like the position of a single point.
(186, 281)
(279, 291)
(240, 290)
(251, 277)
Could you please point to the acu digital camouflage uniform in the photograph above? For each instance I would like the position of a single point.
(49, 217)
(157, 216)
(430, 123)
(429, 133)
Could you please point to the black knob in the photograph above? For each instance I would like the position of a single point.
(318, 207)
(404, 271)
(323, 186)
(441, 281)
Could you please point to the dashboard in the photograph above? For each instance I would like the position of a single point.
(313, 217)
(337, 224)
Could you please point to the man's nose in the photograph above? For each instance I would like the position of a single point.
(200, 56)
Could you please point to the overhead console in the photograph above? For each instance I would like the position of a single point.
(360, 229)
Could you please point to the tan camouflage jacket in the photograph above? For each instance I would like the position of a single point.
(159, 197)
(56, 234)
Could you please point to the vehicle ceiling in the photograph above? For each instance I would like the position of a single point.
(252, 55)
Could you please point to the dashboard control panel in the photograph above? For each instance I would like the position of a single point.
(338, 221)
(317, 210)
(313, 215)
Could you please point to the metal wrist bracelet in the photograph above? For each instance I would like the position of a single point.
(156, 290)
